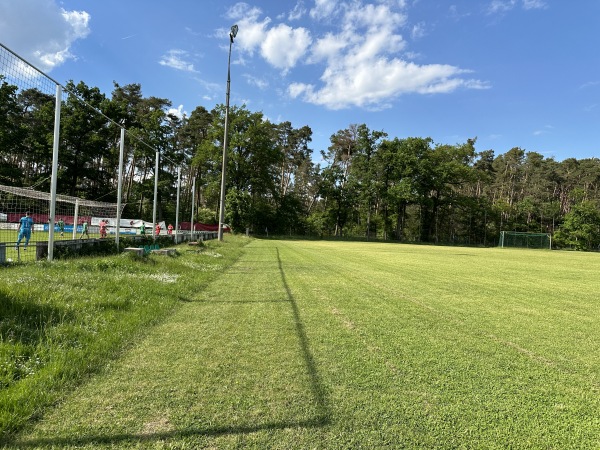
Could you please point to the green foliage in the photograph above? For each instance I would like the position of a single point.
(208, 216)
(238, 210)
(581, 227)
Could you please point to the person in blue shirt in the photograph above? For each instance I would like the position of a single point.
(25, 229)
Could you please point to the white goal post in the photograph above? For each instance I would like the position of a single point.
(69, 217)
(520, 239)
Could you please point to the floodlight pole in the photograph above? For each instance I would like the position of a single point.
(232, 35)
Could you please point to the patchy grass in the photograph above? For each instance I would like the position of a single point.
(356, 345)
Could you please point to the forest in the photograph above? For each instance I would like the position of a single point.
(367, 184)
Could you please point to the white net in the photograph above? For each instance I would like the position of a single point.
(75, 218)
(525, 240)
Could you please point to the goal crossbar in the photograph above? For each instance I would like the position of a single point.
(39, 195)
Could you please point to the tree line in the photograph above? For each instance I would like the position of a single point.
(367, 185)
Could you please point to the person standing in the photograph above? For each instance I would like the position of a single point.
(103, 224)
(143, 228)
(157, 229)
(61, 227)
(170, 229)
(84, 230)
(25, 229)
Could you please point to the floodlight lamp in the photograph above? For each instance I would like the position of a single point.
(233, 33)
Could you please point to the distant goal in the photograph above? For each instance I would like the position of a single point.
(517, 239)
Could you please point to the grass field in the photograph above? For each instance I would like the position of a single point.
(303, 344)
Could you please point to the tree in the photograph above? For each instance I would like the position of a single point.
(400, 168)
(364, 172)
(581, 227)
(84, 143)
(253, 163)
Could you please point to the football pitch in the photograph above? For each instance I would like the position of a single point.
(319, 344)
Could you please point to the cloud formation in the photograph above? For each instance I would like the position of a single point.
(359, 54)
(503, 6)
(176, 59)
(56, 30)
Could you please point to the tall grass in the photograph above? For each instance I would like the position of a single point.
(61, 321)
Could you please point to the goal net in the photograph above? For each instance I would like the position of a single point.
(72, 216)
(525, 240)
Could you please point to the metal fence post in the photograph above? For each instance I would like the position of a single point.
(53, 181)
(120, 186)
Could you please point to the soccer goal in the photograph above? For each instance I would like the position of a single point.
(525, 240)
(74, 218)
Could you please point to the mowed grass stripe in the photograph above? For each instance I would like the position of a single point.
(450, 344)
(356, 345)
(558, 323)
(483, 294)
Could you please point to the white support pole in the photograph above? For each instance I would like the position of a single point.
(120, 186)
(193, 201)
(54, 177)
(75, 219)
(155, 197)
(177, 207)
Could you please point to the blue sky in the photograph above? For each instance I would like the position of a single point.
(513, 73)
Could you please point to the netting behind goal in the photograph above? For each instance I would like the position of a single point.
(525, 240)
(72, 216)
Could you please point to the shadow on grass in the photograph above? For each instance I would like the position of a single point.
(320, 419)
(316, 384)
(25, 321)
(142, 437)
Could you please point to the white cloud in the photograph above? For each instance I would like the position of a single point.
(363, 67)
(358, 54)
(590, 84)
(255, 81)
(283, 46)
(323, 9)
(252, 31)
(545, 130)
(377, 84)
(418, 31)
(534, 4)
(455, 14)
(501, 6)
(55, 30)
(176, 59)
(178, 112)
(298, 11)
(327, 47)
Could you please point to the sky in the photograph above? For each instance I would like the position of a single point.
(511, 73)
